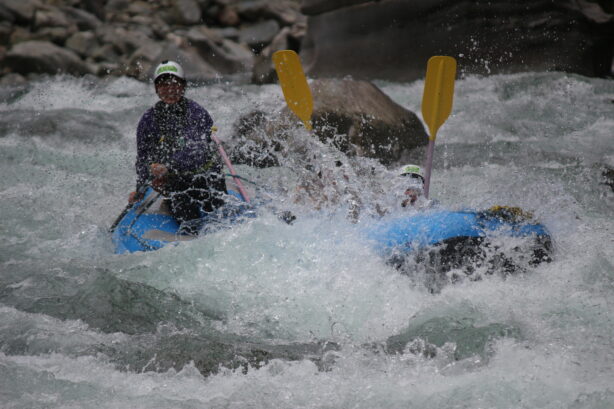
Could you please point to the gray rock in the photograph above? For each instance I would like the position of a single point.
(230, 33)
(264, 69)
(259, 35)
(57, 35)
(140, 8)
(196, 69)
(257, 144)
(593, 11)
(52, 17)
(186, 12)
(115, 6)
(224, 55)
(228, 16)
(21, 11)
(314, 7)
(252, 10)
(142, 21)
(5, 32)
(124, 41)
(285, 12)
(83, 19)
(12, 79)
(238, 52)
(105, 52)
(82, 42)
(44, 57)
(360, 119)
(108, 68)
(6, 16)
(20, 34)
(160, 27)
(96, 7)
(143, 61)
(354, 116)
(202, 35)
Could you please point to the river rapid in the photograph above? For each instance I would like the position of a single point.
(305, 315)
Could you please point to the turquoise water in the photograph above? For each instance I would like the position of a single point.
(190, 325)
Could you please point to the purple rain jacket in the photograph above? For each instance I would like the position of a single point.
(178, 136)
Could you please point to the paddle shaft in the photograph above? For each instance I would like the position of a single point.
(139, 192)
(428, 166)
(230, 168)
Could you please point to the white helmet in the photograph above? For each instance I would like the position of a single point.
(414, 171)
(169, 67)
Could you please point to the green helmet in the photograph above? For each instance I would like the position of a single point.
(413, 171)
(170, 68)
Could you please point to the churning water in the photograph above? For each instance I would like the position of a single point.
(305, 315)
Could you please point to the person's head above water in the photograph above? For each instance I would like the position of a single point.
(413, 183)
(170, 82)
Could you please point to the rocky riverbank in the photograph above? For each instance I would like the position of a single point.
(213, 39)
(234, 39)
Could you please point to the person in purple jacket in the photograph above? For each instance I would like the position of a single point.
(175, 153)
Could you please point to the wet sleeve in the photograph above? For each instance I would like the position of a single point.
(144, 137)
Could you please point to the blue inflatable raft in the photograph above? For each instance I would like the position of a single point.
(434, 227)
(149, 226)
(502, 239)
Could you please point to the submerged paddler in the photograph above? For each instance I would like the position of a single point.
(413, 182)
(175, 153)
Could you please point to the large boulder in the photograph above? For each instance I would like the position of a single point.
(284, 11)
(83, 19)
(5, 32)
(353, 116)
(82, 42)
(225, 55)
(44, 57)
(21, 11)
(359, 118)
(260, 34)
(393, 39)
(124, 41)
(186, 12)
(196, 69)
(96, 7)
(264, 70)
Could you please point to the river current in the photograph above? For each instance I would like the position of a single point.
(305, 315)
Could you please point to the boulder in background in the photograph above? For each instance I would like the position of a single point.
(44, 57)
(355, 117)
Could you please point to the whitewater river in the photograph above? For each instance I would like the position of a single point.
(306, 315)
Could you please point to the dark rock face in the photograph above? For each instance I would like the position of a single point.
(393, 39)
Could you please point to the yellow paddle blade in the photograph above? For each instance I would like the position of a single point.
(294, 85)
(438, 92)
